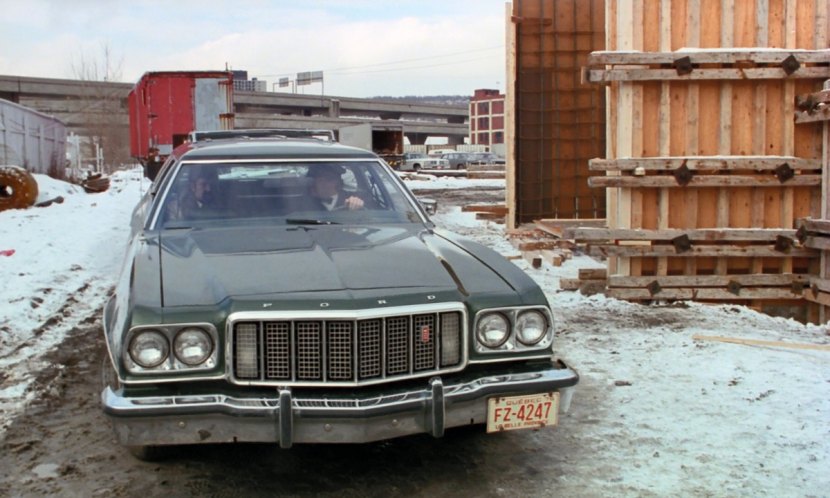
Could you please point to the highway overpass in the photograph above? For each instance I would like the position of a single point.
(81, 103)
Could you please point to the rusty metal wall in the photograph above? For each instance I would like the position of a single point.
(559, 121)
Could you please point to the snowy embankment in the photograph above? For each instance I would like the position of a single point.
(59, 264)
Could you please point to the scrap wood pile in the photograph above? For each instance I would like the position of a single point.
(541, 242)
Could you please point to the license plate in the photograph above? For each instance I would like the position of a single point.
(510, 413)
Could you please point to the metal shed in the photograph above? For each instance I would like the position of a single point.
(32, 140)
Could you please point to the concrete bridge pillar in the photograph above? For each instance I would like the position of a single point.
(334, 108)
(417, 138)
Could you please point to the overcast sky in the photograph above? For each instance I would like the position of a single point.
(364, 47)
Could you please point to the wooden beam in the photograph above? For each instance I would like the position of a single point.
(815, 225)
(500, 209)
(753, 280)
(569, 284)
(645, 74)
(498, 218)
(725, 56)
(716, 163)
(537, 245)
(699, 251)
(822, 114)
(759, 342)
(705, 294)
(593, 273)
(703, 181)
(698, 234)
(821, 243)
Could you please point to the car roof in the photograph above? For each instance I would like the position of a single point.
(270, 148)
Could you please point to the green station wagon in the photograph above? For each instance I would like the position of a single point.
(293, 290)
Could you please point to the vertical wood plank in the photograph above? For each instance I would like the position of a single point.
(822, 25)
(727, 37)
(510, 115)
(611, 97)
(663, 145)
(625, 114)
(788, 126)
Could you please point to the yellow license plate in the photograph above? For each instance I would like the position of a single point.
(530, 411)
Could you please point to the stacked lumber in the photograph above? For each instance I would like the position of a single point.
(485, 171)
(538, 246)
(589, 282)
(705, 171)
(490, 212)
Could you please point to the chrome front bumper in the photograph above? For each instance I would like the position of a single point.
(288, 418)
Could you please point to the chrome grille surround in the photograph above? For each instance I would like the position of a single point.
(347, 348)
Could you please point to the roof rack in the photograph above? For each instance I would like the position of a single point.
(319, 134)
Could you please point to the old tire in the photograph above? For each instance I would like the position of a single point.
(18, 188)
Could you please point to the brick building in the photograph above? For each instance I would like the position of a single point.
(487, 117)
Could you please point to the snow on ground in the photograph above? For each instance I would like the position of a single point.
(67, 252)
(656, 412)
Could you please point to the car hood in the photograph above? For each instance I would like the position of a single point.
(208, 266)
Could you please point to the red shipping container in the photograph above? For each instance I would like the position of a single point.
(166, 106)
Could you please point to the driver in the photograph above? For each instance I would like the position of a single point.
(327, 192)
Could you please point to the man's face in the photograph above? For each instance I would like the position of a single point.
(326, 185)
(200, 188)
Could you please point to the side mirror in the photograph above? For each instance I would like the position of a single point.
(429, 205)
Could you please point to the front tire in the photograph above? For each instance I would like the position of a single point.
(109, 378)
(149, 453)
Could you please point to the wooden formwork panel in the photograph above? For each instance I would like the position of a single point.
(701, 132)
(559, 120)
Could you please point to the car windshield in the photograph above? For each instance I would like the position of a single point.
(289, 193)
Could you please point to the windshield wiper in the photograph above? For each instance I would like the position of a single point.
(309, 221)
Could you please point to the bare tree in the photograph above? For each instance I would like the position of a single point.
(103, 109)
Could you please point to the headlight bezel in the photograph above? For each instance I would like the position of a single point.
(172, 362)
(513, 344)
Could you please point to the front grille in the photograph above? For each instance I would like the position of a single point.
(353, 351)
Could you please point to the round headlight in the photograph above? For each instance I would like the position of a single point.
(149, 349)
(492, 330)
(192, 346)
(531, 327)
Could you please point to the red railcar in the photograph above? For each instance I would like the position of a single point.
(165, 106)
